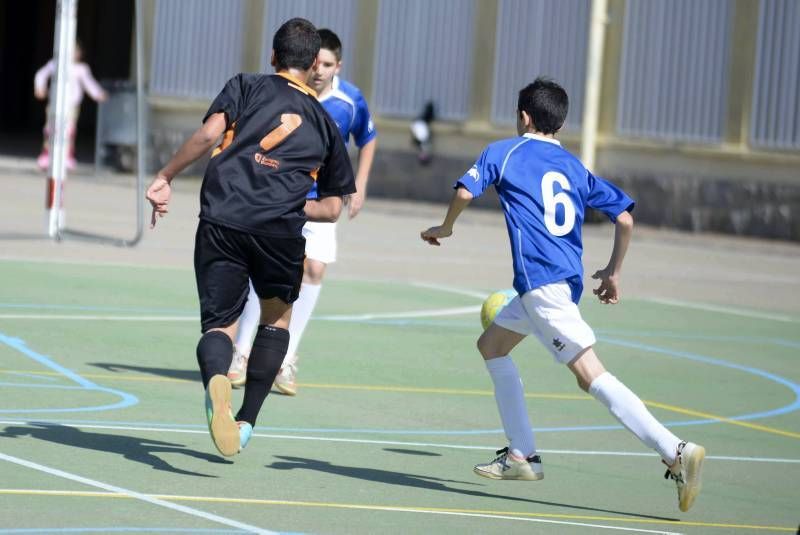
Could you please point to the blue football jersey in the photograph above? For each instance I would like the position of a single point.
(348, 108)
(544, 191)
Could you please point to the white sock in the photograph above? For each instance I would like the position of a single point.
(510, 398)
(248, 323)
(631, 412)
(301, 313)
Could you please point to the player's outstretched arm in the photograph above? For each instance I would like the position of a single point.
(193, 148)
(366, 155)
(461, 199)
(324, 210)
(608, 291)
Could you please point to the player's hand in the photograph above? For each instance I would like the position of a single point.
(41, 94)
(158, 194)
(355, 202)
(434, 234)
(608, 291)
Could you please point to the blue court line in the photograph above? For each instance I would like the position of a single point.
(794, 387)
(127, 400)
(795, 405)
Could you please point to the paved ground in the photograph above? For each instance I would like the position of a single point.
(382, 243)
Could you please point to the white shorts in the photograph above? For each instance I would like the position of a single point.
(549, 313)
(320, 241)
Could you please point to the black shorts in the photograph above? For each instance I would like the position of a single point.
(225, 258)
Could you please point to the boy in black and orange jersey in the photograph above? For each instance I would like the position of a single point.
(278, 142)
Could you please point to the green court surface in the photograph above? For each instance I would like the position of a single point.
(102, 426)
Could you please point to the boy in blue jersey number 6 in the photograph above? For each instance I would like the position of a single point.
(544, 191)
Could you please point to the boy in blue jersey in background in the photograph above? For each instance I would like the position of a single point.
(346, 105)
(544, 191)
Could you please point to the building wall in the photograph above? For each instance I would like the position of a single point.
(690, 90)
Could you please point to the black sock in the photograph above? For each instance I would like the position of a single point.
(266, 357)
(214, 355)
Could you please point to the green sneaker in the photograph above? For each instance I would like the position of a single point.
(245, 434)
(221, 425)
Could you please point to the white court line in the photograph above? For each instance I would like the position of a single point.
(389, 442)
(725, 310)
(403, 315)
(135, 495)
(450, 289)
(457, 311)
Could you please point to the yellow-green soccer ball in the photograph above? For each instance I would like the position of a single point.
(494, 304)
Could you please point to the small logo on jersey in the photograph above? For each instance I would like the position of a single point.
(473, 172)
(370, 126)
(558, 344)
(268, 162)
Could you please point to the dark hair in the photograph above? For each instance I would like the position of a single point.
(330, 41)
(296, 44)
(547, 104)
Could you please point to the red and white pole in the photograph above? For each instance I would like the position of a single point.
(58, 118)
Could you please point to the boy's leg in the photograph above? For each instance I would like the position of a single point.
(495, 344)
(302, 310)
(519, 459)
(222, 288)
(684, 459)
(248, 324)
(320, 250)
(623, 404)
(266, 356)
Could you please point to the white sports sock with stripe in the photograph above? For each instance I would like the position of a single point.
(510, 398)
(626, 407)
(248, 323)
(301, 314)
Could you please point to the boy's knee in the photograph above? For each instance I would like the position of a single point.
(486, 348)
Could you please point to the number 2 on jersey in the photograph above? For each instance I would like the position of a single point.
(289, 123)
(551, 200)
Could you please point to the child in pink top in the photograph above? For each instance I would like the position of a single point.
(80, 80)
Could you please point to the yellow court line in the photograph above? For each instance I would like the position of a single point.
(450, 391)
(700, 414)
(389, 508)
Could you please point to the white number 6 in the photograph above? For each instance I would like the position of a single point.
(551, 200)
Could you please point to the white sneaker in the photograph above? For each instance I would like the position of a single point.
(285, 380)
(237, 373)
(509, 466)
(686, 473)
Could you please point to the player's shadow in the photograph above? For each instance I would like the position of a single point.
(421, 453)
(140, 450)
(426, 482)
(171, 373)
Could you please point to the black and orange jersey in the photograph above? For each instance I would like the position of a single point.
(279, 141)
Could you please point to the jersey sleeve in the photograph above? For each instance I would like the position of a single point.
(363, 130)
(230, 101)
(480, 176)
(335, 177)
(608, 198)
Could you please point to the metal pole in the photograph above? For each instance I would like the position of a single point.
(59, 111)
(141, 127)
(594, 73)
(141, 130)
